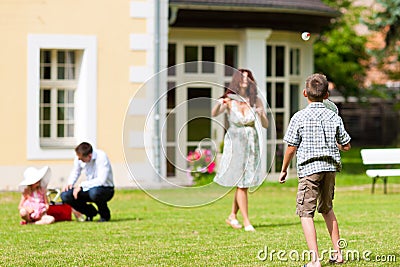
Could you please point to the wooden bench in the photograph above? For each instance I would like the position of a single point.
(383, 156)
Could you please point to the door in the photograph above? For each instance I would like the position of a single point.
(199, 126)
(193, 88)
(190, 126)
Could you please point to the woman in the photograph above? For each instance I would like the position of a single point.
(240, 162)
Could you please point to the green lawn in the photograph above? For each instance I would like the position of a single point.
(144, 232)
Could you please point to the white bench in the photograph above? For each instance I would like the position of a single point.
(382, 156)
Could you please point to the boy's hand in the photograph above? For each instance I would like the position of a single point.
(345, 147)
(282, 177)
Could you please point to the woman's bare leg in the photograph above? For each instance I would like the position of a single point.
(235, 207)
(242, 201)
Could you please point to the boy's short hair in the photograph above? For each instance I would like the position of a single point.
(316, 87)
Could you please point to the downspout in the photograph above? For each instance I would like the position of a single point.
(157, 47)
(173, 14)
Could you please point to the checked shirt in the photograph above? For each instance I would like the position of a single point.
(315, 131)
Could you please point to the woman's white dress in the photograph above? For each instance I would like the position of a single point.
(240, 163)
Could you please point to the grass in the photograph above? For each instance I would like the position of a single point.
(145, 232)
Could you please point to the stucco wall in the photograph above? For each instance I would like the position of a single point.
(112, 24)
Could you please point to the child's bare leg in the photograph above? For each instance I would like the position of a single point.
(46, 219)
(24, 215)
(311, 238)
(333, 228)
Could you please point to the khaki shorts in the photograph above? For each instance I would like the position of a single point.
(318, 187)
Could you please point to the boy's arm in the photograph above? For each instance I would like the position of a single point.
(342, 137)
(289, 154)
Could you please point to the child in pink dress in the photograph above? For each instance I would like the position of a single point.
(34, 205)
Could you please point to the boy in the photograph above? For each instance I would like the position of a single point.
(316, 134)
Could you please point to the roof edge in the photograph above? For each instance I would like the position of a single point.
(333, 13)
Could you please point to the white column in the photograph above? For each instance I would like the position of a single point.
(253, 54)
(253, 57)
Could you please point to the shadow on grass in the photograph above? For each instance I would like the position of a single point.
(274, 225)
(136, 219)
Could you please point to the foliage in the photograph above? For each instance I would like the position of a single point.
(340, 51)
(204, 179)
(387, 21)
(381, 91)
(201, 165)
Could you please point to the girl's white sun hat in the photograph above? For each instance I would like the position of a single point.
(33, 175)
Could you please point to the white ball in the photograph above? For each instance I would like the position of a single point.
(305, 36)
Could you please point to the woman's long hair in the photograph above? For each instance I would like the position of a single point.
(234, 86)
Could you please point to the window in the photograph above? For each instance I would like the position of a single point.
(58, 82)
(171, 59)
(61, 97)
(280, 61)
(294, 61)
(208, 58)
(191, 59)
(294, 98)
(283, 92)
(171, 129)
(231, 58)
(194, 53)
(275, 61)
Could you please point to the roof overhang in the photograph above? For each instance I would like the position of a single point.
(278, 17)
(253, 8)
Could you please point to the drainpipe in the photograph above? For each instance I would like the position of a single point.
(173, 14)
(157, 47)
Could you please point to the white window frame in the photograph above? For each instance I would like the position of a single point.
(287, 79)
(85, 95)
(54, 85)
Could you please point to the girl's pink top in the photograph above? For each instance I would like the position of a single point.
(36, 201)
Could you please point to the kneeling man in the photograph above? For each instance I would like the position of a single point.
(98, 188)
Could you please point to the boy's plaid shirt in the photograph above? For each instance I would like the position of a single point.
(315, 131)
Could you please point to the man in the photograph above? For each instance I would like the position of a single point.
(98, 188)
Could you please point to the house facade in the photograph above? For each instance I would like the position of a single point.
(123, 77)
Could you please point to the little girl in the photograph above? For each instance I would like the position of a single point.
(34, 205)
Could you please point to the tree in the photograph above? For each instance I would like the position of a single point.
(340, 51)
(386, 20)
